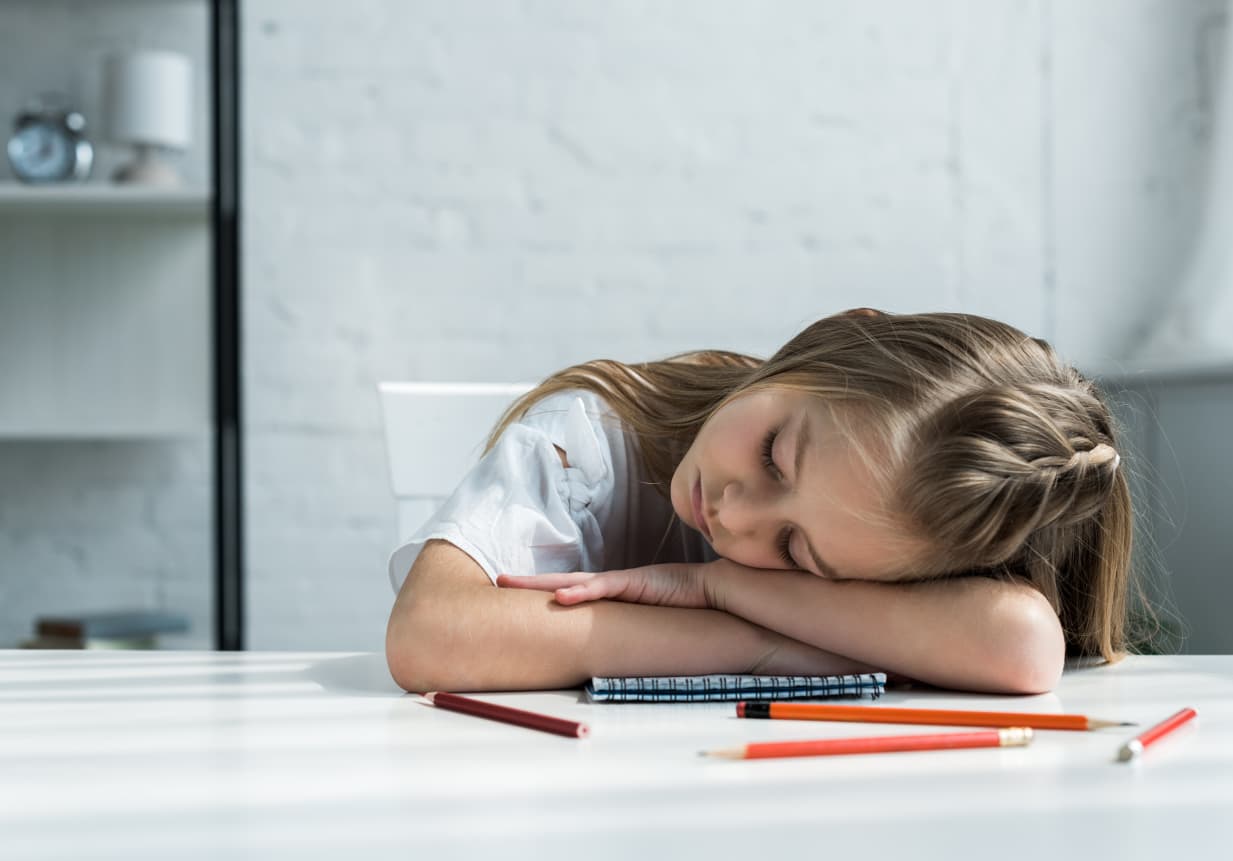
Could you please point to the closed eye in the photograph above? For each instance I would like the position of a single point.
(768, 461)
(783, 543)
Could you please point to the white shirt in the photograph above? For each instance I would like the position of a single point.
(520, 511)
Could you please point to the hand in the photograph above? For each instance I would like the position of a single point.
(678, 584)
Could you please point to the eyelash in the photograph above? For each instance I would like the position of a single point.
(784, 553)
(768, 461)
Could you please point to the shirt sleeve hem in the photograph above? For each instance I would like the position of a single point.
(404, 557)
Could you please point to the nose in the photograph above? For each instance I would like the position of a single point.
(742, 514)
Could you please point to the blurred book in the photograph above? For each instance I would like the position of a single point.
(123, 629)
(45, 642)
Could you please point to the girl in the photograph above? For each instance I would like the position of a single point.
(936, 496)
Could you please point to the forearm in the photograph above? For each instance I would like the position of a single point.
(968, 633)
(454, 633)
(506, 640)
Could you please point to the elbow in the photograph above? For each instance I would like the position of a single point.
(430, 645)
(1035, 648)
(400, 656)
(410, 649)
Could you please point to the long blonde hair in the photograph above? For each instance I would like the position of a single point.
(1002, 457)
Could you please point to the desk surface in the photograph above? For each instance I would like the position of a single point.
(211, 755)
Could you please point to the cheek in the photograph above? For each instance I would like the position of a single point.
(752, 558)
(678, 491)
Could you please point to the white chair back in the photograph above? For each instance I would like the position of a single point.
(434, 433)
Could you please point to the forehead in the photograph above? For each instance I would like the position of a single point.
(769, 402)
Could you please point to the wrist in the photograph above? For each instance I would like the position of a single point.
(720, 580)
(732, 587)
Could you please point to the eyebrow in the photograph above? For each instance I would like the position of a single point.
(802, 443)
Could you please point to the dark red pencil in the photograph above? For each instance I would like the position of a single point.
(505, 714)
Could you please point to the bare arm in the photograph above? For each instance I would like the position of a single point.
(451, 629)
(971, 633)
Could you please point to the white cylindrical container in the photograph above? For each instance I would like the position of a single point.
(147, 98)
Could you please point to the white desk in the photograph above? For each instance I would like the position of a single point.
(225, 755)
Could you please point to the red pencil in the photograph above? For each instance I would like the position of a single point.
(505, 714)
(1012, 737)
(1135, 746)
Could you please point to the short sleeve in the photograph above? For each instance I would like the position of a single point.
(519, 510)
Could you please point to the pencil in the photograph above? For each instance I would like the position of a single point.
(1012, 737)
(886, 714)
(1147, 738)
(505, 714)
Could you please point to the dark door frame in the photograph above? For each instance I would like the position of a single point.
(225, 326)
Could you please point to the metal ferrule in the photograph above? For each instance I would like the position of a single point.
(1016, 736)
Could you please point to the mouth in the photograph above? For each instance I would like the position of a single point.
(699, 516)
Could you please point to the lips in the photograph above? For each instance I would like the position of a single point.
(699, 515)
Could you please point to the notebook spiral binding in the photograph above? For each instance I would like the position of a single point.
(677, 689)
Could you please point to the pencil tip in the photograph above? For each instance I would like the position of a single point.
(1127, 723)
(431, 697)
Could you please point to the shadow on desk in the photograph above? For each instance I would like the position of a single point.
(354, 675)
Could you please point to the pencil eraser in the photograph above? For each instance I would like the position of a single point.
(740, 709)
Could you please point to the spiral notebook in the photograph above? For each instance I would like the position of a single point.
(681, 689)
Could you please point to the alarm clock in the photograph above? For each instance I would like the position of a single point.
(49, 145)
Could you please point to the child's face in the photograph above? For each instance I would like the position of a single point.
(822, 508)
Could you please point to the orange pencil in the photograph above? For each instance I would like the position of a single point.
(887, 714)
(1136, 745)
(1013, 737)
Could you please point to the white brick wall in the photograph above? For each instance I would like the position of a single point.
(463, 191)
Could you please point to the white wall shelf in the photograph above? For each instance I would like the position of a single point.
(16, 198)
(159, 429)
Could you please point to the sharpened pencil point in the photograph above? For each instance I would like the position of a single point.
(431, 697)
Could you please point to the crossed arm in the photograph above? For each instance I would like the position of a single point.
(971, 632)
(451, 629)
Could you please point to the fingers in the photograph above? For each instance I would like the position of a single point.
(543, 582)
(576, 587)
(583, 592)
